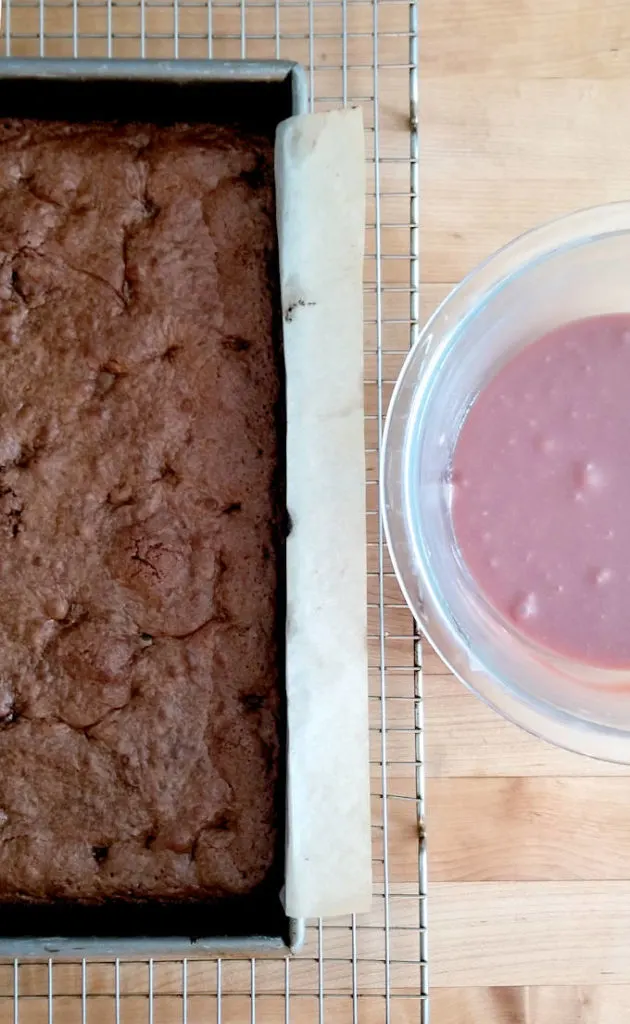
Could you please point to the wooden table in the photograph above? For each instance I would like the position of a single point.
(524, 117)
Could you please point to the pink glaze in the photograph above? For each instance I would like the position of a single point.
(541, 490)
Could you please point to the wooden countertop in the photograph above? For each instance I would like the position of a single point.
(524, 117)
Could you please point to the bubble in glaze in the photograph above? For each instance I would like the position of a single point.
(545, 445)
(525, 607)
(588, 476)
(600, 576)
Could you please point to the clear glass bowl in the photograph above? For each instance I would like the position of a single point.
(575, 267)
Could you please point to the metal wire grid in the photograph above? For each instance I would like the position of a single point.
(368, 969)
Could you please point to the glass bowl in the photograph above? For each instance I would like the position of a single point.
(575, 267)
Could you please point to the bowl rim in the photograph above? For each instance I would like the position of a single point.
(556, 725)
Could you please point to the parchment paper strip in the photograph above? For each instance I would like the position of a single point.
(321, 215)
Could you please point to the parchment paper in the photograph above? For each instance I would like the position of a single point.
(320, 188)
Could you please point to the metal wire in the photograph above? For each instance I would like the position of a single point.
(372, 967)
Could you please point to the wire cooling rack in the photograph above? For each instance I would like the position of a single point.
(369, 969)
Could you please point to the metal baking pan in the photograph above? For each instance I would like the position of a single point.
(258, 94)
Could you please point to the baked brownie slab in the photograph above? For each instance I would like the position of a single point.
(139, 509)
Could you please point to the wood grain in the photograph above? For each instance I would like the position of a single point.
(501, 158)
(530, 933)
(566, 1004)
(527, 38)
(522, 121)
(528, 829)
(466, 738)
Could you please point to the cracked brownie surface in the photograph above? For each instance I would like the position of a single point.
(139, 512)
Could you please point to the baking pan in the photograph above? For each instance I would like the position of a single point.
(257, 94)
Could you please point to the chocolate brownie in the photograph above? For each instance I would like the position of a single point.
(140, 503)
